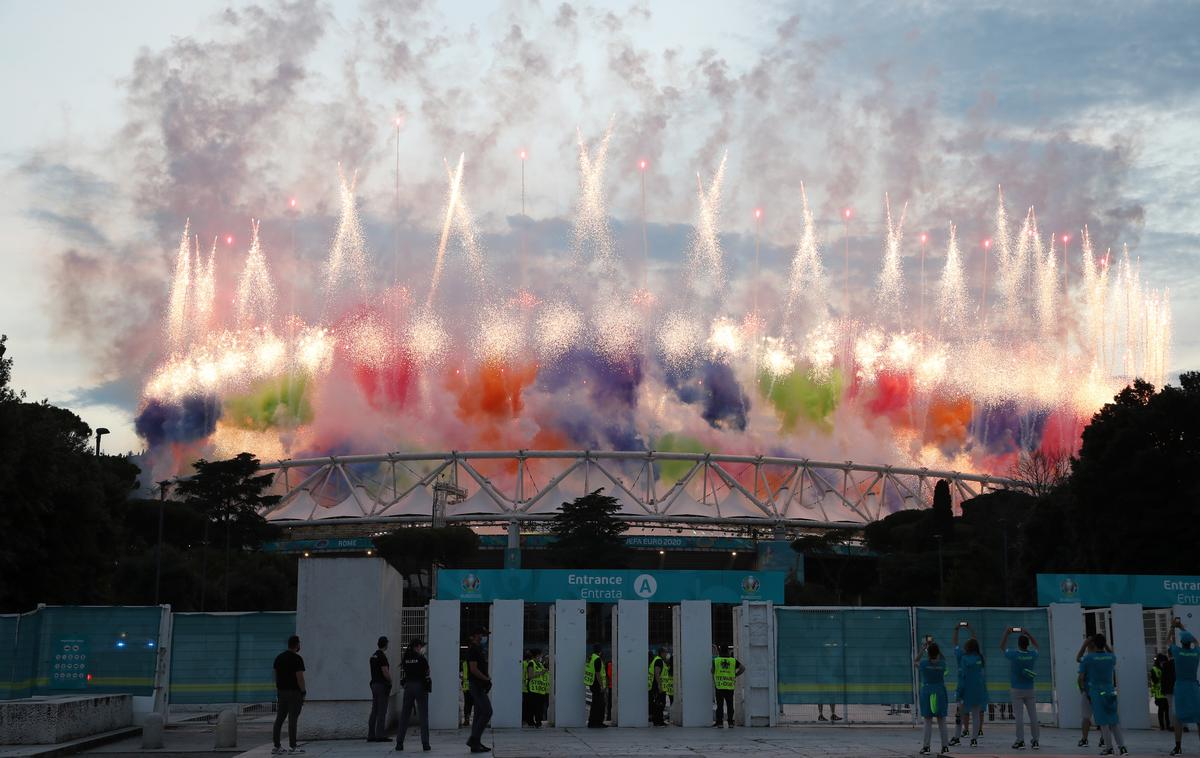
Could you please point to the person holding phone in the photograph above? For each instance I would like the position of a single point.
(974, 684)
(1097, 672)
(1021, 678)
(1187, 690)
(1085, 703)
(931, 667)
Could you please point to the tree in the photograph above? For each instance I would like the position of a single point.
(57, 499)
(831, 550)
(413, 551)
(1040, 471)
(589, 533)
(231, 493)
(943, 510)
(1133, 485)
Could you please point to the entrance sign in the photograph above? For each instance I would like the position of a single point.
(1107, 589)
(603, 586)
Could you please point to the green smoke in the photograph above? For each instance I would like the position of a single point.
(281, 401)
(672, 471)
(796, 396)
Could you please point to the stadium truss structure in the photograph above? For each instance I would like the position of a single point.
(655, 488)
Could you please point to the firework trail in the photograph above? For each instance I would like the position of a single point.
(890, 296)
(177, 312)
(585, 364)
(952, 289)
(592, 241)
(255, 302)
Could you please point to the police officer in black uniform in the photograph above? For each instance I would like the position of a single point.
(381, 688)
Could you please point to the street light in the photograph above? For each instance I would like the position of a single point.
(162, 497)
(941, 574)
(100, 433)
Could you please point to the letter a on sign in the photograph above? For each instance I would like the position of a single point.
(645, 585)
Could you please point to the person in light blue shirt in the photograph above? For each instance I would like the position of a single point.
(1097, 671)
(1021, 678)
(973, 680)
(1187, 690)
(932, 669)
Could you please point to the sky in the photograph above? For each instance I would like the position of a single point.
(128, 117)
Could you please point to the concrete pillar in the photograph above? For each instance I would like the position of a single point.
(1066, 630)
(505, 651)
(693, 663)
(444, 619)
(569, 653)
(152, 732)
(630, 663)
(1129, 643)
(225, 734)
(755, 702)
(343, 605)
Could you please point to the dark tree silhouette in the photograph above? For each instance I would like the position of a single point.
(231, 493)
(589, 533)
(413, 551)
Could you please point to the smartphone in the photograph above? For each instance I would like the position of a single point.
(962, 623)
(1016, 629)
(928, 638)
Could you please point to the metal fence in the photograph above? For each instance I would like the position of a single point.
(861, 659)
(226, 657)
(62, 649)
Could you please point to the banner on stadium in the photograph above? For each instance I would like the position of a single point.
(602, 586)
(1151, 591)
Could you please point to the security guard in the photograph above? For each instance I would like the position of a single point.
(654, 684)
(526, 715)
(468, 701)
(668, 678)
(725, 669)
(539, 687)
(596, 680)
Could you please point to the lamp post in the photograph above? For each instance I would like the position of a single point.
(100, 432)
(162, 498)
(1004, 541)
(941, 573)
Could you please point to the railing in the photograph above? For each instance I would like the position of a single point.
(655, 487)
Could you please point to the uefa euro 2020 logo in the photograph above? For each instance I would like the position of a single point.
(1069, 587)
(470, 583)
(750, 585)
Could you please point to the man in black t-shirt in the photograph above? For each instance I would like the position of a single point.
(289, 693)
(480, 684)
(381, 687)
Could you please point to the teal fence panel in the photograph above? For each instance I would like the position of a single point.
(844, 655)
(989, 625)
(16, 665)
(111, 649)
(227, 657)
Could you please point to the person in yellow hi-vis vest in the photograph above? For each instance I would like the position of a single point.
(595, 678)
(657, 699)
(668, 677)
(725, 669)
(539, 687)
(526, 715)
(467, 700)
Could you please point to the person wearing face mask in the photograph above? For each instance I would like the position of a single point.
(417, 684)
(480, 684)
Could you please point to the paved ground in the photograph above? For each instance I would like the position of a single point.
(796, 742)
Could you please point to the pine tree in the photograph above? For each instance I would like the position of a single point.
(590, 533)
